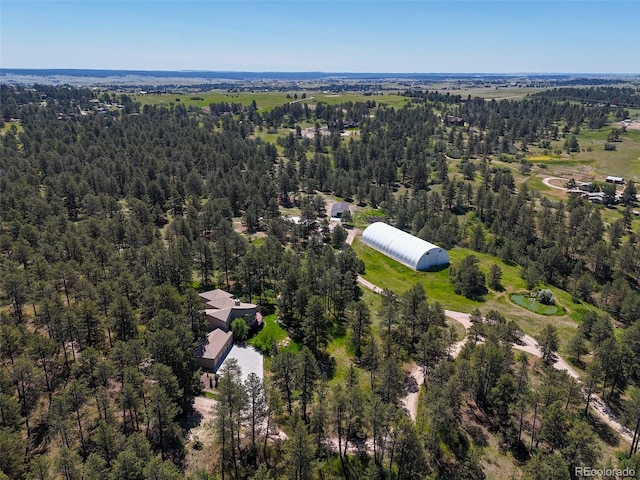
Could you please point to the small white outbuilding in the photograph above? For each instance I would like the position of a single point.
(403, 247)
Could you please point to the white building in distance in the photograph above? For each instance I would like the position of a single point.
(403, 247)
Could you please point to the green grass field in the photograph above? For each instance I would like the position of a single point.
(624, 161)
(597, 163)
(535, 183)
(363, 217)
(511, 93)
(270, 333)
(7, 126)
(338, 349)
(374, 302)
(264, 100)
(273, 137)
(488, 91)
(387, 273)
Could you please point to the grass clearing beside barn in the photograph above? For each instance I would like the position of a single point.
(387, 273)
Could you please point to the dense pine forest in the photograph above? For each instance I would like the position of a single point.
(114, 215)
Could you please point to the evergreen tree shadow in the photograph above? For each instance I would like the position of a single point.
(476, 297)
(478, 436)
(327, 365)
(267, 308)
(574, 362)
(604, 431)
(39, 435)
(191, 420)
(520, 452)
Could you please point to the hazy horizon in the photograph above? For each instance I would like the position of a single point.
(319, 72)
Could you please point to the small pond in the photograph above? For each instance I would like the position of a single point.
(534, 305)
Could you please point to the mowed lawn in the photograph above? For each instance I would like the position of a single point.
(536, 183)
(271, 333)
(387, 273)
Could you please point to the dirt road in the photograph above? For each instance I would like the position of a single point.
(527, 344)
(547, 182)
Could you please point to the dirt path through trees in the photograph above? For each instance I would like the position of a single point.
(527, 344)
(547, 182)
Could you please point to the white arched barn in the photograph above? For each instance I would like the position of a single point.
(405, 248)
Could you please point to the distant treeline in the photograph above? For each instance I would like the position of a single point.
(530, 119)
(22, 96)
(591, 81)
(625, 97)
(102, 73)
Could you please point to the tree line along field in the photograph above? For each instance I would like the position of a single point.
(383, 271)
(264, 100)
(110, 219)
(593, 161)
(268, 100)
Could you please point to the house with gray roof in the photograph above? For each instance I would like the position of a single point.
(338, 208)
(221, 308)
(213, 350)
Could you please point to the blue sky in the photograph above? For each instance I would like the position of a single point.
(348, 36)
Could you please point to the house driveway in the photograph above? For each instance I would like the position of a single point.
(249, 359)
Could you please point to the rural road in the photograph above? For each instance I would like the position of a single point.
(547, 182)
(369, 285)
(306, 99)
(528, 345)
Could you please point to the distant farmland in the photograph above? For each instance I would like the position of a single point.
(264, 100)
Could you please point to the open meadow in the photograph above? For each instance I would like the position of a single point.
(7, 126)
(593, 162)
(265, 100)
(386, 273)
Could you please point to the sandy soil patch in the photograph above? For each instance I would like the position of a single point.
(203, 407)
(311, 132)
(633, 125)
